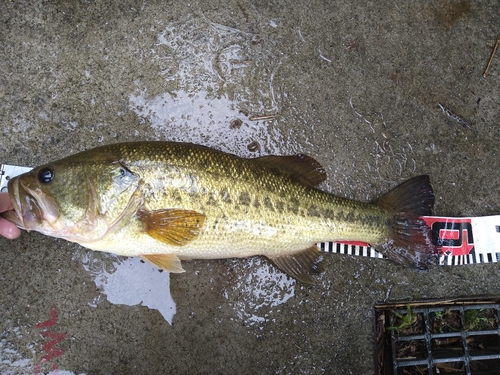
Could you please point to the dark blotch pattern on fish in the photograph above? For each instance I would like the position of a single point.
(245, 199)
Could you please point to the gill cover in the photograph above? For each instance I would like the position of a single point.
(80, 198)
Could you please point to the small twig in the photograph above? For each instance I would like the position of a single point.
(265, 117)
(454, 116)
(491, 58)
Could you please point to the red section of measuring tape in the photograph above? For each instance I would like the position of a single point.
(452, 235)
(449, 234)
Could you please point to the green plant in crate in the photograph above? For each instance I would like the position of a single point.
(407, 320)
(479, 319)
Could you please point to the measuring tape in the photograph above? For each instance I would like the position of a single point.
(9, 171)
(461, 240)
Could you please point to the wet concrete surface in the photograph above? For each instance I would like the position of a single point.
(354, 84)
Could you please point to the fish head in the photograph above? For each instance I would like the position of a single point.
(79, 198)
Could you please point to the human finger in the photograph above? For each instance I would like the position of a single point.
(8, 229)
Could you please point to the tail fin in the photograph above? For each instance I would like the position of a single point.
(410, 241)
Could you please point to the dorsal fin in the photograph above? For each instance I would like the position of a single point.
(301, 168)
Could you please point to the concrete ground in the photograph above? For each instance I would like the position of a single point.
(354, 84)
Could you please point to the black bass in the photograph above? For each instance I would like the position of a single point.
(167, 201)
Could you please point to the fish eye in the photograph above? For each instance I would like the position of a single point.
(46, 175)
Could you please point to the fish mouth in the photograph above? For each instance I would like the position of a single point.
(15, 215)
(32, 207)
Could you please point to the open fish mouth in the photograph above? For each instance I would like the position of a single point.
(25, 208)
(15, 215)
(31, 206)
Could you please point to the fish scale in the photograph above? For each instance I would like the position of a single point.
(167, 201)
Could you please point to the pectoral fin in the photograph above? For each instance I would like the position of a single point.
(302, 265)
(172, 226)
(168, 262)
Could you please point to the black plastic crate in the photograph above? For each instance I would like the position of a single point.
(447, 337)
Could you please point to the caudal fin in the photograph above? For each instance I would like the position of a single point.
(410, 240)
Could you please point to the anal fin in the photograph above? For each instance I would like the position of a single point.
(168, 262)
(301, 265)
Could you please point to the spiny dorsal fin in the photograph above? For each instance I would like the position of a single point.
(302, 265)
(172, 226)
(301, 168)
(168, 262)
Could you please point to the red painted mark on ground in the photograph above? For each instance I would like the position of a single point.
(51, 321)
(49, 347)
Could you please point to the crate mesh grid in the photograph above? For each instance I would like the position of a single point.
(466, 357)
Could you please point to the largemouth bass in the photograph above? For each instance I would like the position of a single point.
(167, 202)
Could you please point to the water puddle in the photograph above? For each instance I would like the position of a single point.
(130, 282)
(11, 361)
(220, 90)
(260, 291)
(215, 122)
